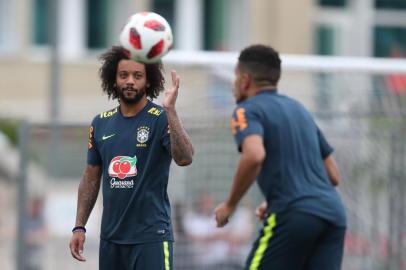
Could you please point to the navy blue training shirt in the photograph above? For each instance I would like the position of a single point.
(134, 153)
(293, 176)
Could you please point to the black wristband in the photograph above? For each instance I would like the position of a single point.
(79, 228)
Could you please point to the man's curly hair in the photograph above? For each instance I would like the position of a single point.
(108, 73)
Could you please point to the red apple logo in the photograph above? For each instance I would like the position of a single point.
(116, 166)
(123, 166)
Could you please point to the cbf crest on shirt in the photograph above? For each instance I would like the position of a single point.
(134, 153)
(142, 136)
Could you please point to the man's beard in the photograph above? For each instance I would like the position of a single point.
(240, 99)
(131, 100)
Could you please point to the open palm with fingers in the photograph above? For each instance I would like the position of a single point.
(171, 94)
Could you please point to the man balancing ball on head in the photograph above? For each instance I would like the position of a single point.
(129, 154)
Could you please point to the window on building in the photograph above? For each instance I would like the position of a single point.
(332, 3)
(97, 23)
(391, 4)
(41, 22)
(165, 8)
(214, 24)
(7, 25)
(390, 41)
(325, 38)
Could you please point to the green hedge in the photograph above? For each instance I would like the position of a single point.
(10, 129)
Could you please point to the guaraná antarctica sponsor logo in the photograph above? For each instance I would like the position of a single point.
(114, 183)
(122, 167)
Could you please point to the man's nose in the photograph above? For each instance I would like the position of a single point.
(131, 80)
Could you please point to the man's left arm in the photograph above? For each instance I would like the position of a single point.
(181, 147)
(252, 157)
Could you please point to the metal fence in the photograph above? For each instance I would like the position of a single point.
(362, 115)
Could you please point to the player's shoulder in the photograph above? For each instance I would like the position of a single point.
(107, 114)
(248, 105)
(297, 105)
(155, 110)
(288, 100)
(285, 101)
(103, 117)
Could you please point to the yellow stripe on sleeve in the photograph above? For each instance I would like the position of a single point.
(263, 242)
(166, 255)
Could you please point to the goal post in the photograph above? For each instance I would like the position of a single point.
(360, 104)
(293, 62)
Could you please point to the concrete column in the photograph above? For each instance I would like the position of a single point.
(140, 5)
(261, 24)
(285, 25)
(121, 11)
(24, 25)
(8, 26)
(238, 24)
(188, 24)
(362, 27)
(72, 28)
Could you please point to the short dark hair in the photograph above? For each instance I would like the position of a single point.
(262, 63)
(108, 73)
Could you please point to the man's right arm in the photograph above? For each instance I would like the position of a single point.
(332, 170)
(329, 163)
(87, 194)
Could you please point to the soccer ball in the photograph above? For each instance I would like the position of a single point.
(147, 37)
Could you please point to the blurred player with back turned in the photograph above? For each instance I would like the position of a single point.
(281, 146)
(130, 152)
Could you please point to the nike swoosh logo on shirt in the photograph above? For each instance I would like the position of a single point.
(107, 137)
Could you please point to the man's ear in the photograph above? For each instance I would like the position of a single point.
(245, 81)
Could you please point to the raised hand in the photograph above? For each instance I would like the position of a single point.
(171, 94)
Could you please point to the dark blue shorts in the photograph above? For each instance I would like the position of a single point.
(151, 256)
(297, 241)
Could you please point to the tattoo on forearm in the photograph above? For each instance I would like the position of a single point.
(87, 196)
(181, 147)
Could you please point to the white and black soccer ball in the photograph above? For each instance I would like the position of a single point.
(147, 36)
